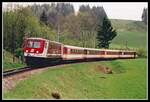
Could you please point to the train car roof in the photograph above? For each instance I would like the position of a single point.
(117, 50)
(96, 49)
(73, 47)
(101, 49)
(55, 42)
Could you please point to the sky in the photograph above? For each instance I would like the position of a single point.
(114, 10)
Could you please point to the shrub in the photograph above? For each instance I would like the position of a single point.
(19, 52)
(141, 53)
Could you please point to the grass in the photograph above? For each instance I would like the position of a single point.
(133, 39)
(132, 33)
(83, 81)
(128, 25)
(8, 63)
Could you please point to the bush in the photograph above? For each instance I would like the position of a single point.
(141, 53)
(19, 52)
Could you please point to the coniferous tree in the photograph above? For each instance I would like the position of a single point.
(105, 34)
(43, 17)
(144, 15)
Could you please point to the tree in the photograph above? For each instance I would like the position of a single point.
(105, 34)
(85, 8)
(16, 23)
(98, 14)
(43, 17)
(144, 15)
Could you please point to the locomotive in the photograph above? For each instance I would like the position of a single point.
(40, 51)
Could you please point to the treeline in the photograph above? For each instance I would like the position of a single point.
(73, 28)
(48, 21)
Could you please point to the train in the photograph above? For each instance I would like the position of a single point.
(40, 51)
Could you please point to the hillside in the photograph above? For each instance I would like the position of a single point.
(8, 61)
(128, 25)
(132, 33)
(86, 81)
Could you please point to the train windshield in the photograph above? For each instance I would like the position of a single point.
(33, 44)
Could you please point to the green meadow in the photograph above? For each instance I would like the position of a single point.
(85, 81)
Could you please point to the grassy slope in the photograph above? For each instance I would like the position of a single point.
(8, 61)
(134, 40)
(134, 32)
(83, 81)
(128, 25)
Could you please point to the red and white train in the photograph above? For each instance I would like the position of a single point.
(39, 51)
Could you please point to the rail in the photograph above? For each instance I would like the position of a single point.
(15, 71)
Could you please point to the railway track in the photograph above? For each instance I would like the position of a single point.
(15, 71)
(24, 69)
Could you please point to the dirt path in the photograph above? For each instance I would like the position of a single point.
(11, 81)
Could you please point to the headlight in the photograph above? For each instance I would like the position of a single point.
(26, 50)
(37, 51)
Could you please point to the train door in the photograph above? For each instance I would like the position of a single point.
(85, 53)
(65, 50)
(46, 47)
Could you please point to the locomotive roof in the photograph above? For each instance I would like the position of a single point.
(36, 38)
(42, 39)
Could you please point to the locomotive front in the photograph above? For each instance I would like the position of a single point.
(34, 47)
(34, 50)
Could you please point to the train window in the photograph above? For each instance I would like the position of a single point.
(72, 50)
(120, 53)
(33, 44)
(36, 44)
(102, 52)
(128, 53)
(76, 51)
(112, 53)
(29, 44)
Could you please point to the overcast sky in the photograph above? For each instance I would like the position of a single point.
(114, 10)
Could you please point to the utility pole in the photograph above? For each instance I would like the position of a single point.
(58, 32)
(58, 27)
(126, 45)
(13, 36)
